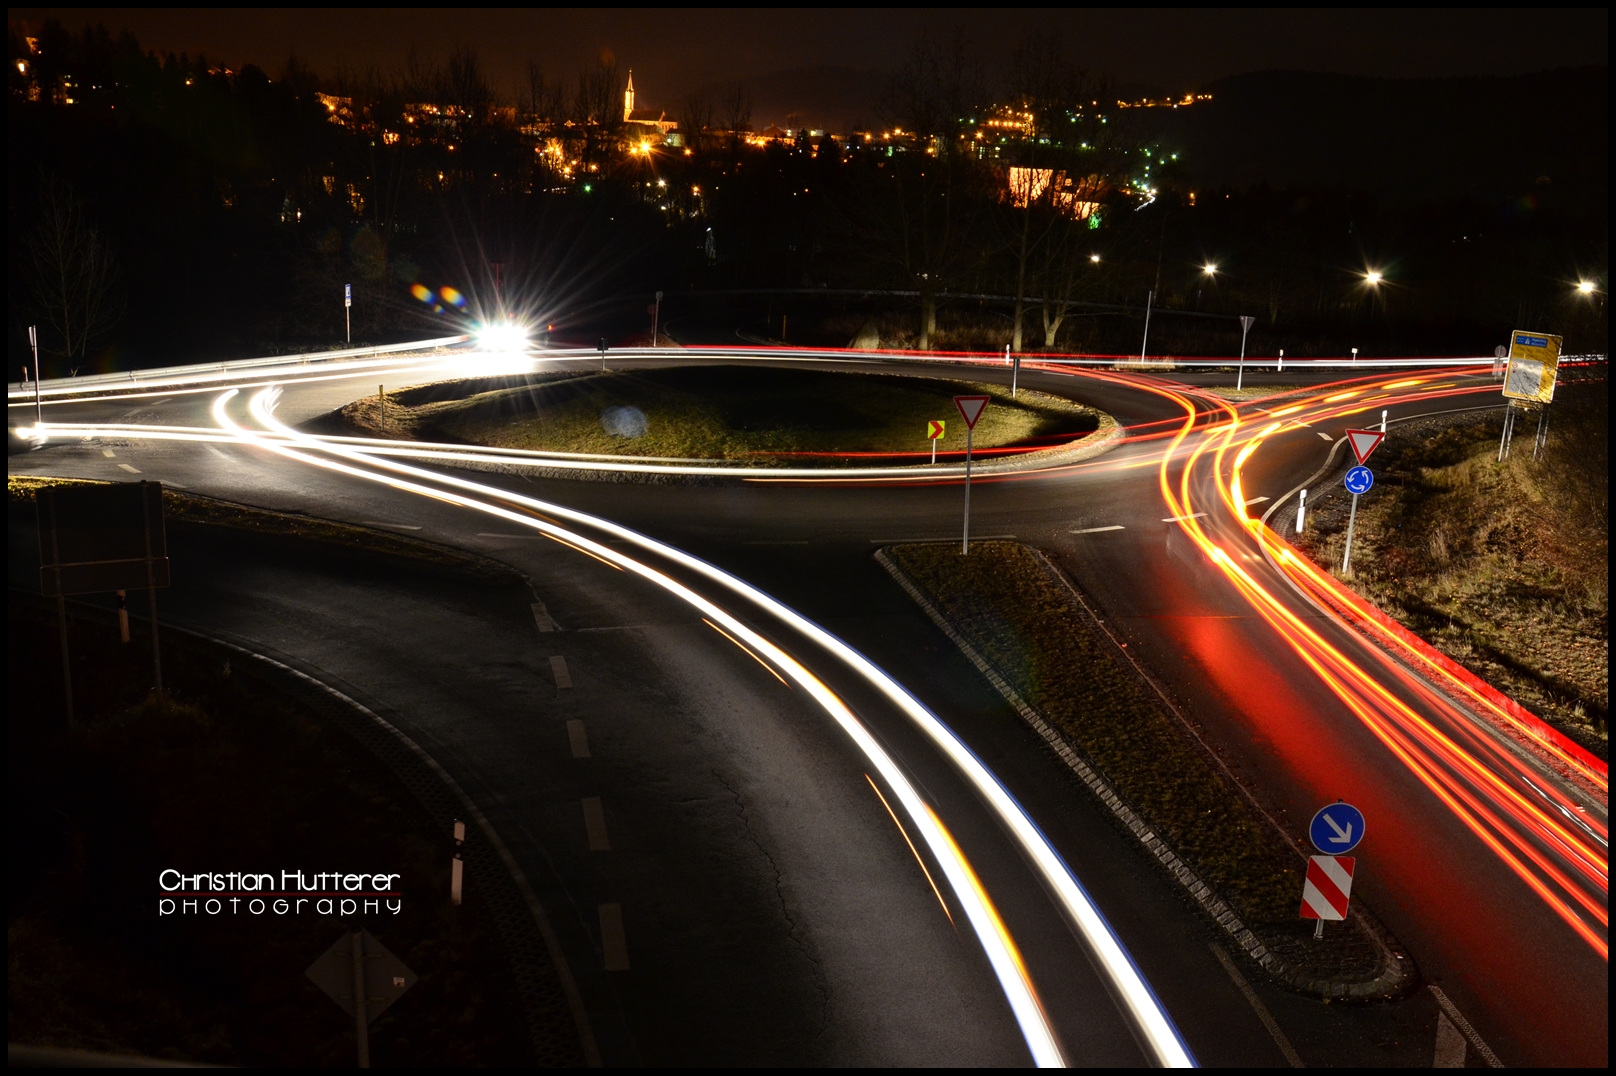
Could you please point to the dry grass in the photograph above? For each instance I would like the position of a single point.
(1003, 598)
(1503, 567)
(758, 414)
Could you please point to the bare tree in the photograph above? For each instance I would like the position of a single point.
(737, 112)
(545, 99)
(926, 204)
(696, 117)
(72, 274)
(597, 107)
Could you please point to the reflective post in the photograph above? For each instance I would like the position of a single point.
(965, 542)
(1352, 519)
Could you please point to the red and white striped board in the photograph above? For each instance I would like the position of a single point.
(1328, 887)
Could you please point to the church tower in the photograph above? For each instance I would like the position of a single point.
(628, 97)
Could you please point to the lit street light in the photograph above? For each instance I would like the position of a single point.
(1373, 278)
(1210, 269)
(1095, 258)
(1585, 287)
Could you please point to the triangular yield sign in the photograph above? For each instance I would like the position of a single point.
(971, 408)
(1364, 442)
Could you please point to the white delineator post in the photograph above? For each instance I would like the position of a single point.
(347, 310)
(1301, 511)
(1145, 342)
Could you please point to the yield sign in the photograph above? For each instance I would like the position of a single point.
(971, 408)
(1364, 442)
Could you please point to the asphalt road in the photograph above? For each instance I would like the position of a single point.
(773, 912)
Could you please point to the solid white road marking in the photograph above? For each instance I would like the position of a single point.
(577, 739)
(486, 534)
(1326, 436)
(1097, 530)
(108, 453)
(613, 943)
(1180, 519)
(1259, 1008)
(595, 825)
(950, 538)
(128, 468)
(1450, 1044)
(1453, 1014)
(542, 618)
(1255, 500)
(558, 669)
(217, 451)
(383, 523)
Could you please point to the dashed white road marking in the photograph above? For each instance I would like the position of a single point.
(558, 669)
(1180, 519)
(613, 943)
(1097, 530)
(131, 470)
(390, 526)
(108, 453)
(487, 534)
(217, 451)
(577, 739)
(542, 618)
(595, 825)
(1326, 436)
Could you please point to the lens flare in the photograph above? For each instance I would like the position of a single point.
(421, 292)
(453, 298)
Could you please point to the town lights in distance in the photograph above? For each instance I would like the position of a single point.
(503, 336)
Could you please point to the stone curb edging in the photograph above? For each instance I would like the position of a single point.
(1396, 977)
(488, 861)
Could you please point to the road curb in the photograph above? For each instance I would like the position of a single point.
(1397, 975)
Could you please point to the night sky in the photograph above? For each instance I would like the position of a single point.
(673, 52)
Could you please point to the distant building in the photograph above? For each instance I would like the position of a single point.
(644, 122)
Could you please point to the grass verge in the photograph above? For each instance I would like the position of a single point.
(759, 414)
(1007, 603)
(1502, 566)
(223, 774)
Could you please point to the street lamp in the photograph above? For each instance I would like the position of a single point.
(1373, 278)
(1585, 287)
(1095, 258)
(1210, 269)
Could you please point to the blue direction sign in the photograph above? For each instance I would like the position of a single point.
(1337, 829)
(1359, 479)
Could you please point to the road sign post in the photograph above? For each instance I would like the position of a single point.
(39, 405)
(935, 430)
(656, 318)
(363, 978)
(347, 310)
(1245, 327)
(970, 409)
(1358, 481)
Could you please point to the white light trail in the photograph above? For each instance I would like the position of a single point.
(1136, 1000)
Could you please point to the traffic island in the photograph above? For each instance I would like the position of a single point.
(762, 416)
(1034, 636)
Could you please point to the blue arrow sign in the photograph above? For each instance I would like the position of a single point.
(1359, 479)
(1337, 829)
